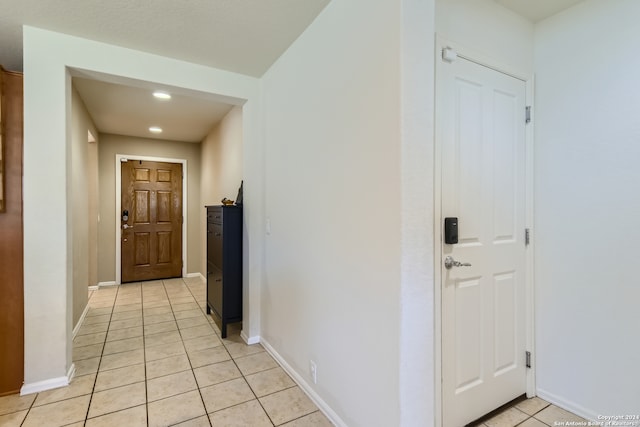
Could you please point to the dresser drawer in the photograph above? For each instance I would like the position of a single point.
(214, 214)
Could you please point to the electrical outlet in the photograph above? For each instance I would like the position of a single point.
(313, 369)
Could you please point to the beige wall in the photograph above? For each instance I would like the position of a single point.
(110, 145)
(83, 215)
(221, 166)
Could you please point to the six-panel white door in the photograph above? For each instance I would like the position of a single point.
(482, 142)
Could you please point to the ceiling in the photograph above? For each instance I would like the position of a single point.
(242, 36)
(537, 10)
(131, 110)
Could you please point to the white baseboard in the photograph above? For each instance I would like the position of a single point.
(249, 340)
(49, 384)
(195, 275)
(94, 288)
(82, 316)
(102, 284)
(305, 386)
(567, 405)
(71, 373)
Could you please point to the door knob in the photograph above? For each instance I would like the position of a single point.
(449, 262)
(125, 226)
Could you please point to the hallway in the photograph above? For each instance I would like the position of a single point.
(146, 355)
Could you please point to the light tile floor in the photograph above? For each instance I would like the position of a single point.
(533, 412)
(147, 355)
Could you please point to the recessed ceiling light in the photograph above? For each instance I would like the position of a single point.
(161, 95)
(155, 129)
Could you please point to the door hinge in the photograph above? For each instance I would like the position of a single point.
(527, 236)
(528, 359)
(527, 114)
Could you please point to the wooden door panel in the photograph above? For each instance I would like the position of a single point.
(152, 240)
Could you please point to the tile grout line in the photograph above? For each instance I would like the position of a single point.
(204, 405)
(104, 343)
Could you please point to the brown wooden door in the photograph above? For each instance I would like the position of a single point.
(151, 237)
(11, 237)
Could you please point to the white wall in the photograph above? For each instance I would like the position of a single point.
(488, 29)
(587, 207)
(83, 173)
(48, 262)
(334, 195)
(221, 172)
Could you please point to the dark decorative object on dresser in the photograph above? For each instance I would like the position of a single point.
(224, 264)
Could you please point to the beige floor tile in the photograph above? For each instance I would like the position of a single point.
(176, 409)
(226, 394)
(15, 402)
(101, 303)
(132, 417)
(168, 365)
(119, 360)
(186, 314)
(161, 338)
(98, 311)
(125, 323)
(208, 356)
(92, 328)
(116, 399)
(128, 301)
(162, 351)
(84, 340)
(246, 414)
(316, 419)
(191, 322)
(119, 377)
(196, 332)
(58, 413)
(158, 318)
(124, 315)
(155, 304)
(241, 349)
(87, 352)
(14, 419)
(533, 405)
(151, 311)
(269, 381)
(209, 341)
(104, 318)
(129, 307)
(552, 414)
(119, 346)
(255, 363)
(532, 422)
(196, 422)
(182, 300)
(185, 306)
(155, 296)
(156, 328)
(121, 334)
(287, 405)
(170, 385)
(87, 366)
(508, 418)
(79, 386)
(216, 373)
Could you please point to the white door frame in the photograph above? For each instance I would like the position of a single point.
(486, 61)
(118, 228)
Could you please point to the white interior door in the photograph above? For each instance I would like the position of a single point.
(482, 141)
